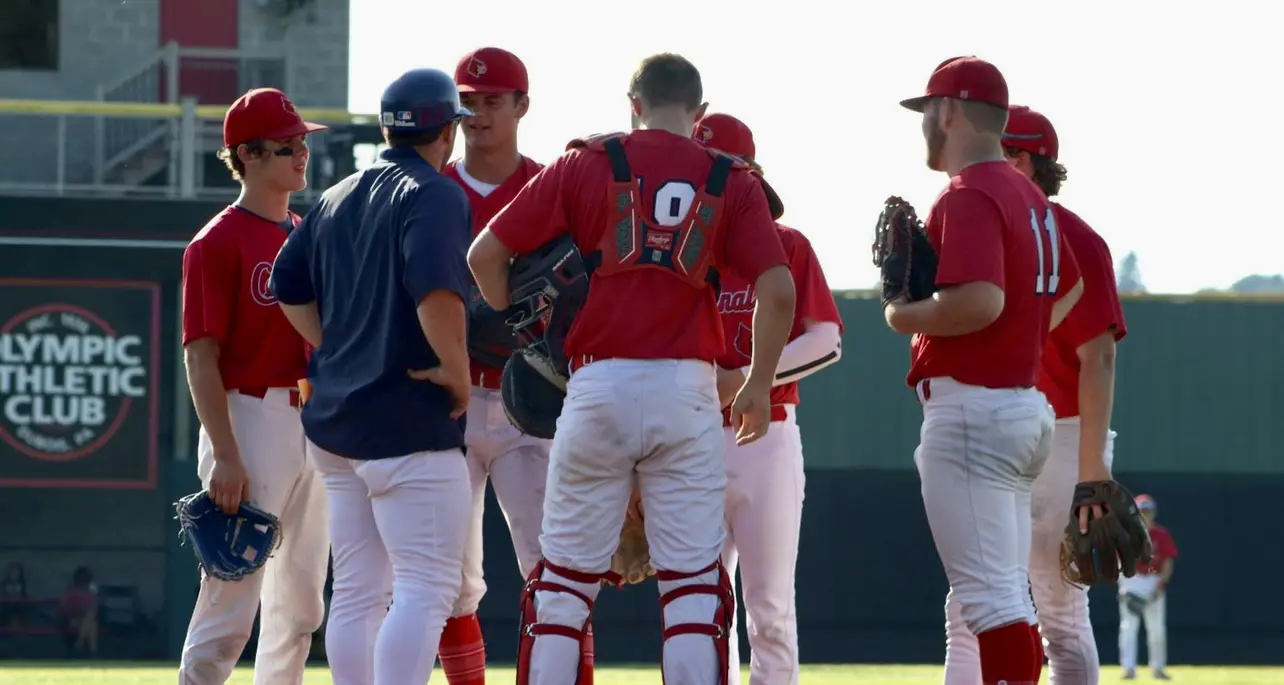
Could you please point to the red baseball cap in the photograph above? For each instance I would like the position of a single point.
(1030, 131)
(726, 133)
(964, 78)
(1145, 503)
(491, 70)
(264, 114)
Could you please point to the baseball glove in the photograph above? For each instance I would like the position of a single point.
(632, 560)
(228, 546)
(903, 253)
(1136, 604)
(1114, 543)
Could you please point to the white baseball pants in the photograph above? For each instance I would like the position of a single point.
(398, 527)
(765, 484)
(660, 418)
(1061, 608)
(517, 466)
(1155, 618)
(289, 587)
(980, 450)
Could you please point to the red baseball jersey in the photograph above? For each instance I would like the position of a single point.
(993, 224)
(1097, 312)
(644, 313)
(1164, 548)
(487, 206)
(815, 302)
(226, 268)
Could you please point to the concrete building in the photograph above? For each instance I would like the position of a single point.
(149, 51)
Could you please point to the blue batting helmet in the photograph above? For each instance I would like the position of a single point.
(421, 100)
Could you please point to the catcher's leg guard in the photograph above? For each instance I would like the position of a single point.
(686, 613)
(555, 616)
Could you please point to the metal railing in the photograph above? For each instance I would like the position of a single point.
(67, 128)
(119, 144)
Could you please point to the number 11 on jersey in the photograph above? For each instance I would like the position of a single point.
(1046, 241)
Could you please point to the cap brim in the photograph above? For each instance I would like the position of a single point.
(464, 88)
(300, 129)
(916, 104)
(773, 200)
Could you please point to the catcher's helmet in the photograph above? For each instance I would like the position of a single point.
(490, 337)
(532, 394)
(421, 100)
(547, 289)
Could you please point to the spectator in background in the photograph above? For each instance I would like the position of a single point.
(14, 608)
(1141, 599)
(79, 612)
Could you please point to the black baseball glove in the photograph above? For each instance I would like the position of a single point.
(903, 253)
(1114, 543)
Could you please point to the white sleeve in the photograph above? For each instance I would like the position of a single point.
(819, 346)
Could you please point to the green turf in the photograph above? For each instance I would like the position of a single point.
(150, 674)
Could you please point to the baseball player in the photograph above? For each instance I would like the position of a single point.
(765, 479)
(493, 85)
(1142, 599)
(243, 364)
(656, 213)
(1077, 376)
(975, 358)
(376, 278)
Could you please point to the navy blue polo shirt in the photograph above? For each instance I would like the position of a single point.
(368, 253)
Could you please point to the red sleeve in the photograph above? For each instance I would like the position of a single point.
(538, 213)
(1098, 309)
(210, 273)
(750, 240)
(971, 238)
(1167, 548)
(815, 299)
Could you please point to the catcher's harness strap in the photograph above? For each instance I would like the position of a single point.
(624, 203)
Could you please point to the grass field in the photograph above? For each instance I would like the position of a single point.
(151, 674)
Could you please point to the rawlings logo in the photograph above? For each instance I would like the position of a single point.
(659, 241)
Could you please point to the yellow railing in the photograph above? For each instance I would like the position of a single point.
(159, 110)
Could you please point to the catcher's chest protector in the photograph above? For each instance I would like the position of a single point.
(631, 242)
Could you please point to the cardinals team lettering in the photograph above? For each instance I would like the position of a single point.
(737, 301)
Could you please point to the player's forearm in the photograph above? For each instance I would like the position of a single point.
(444, 322)
(1096, 404)
(209, 396)
(957, 310)
(306, 320)
(489, 259)
(820, 345)
(773, 318)
(1165, 572)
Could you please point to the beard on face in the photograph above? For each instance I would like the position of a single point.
(935, 138)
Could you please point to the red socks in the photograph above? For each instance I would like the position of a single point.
(462, 652)
(586, 657)
(1008, 655)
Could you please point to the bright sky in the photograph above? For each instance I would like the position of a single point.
(1168, 115)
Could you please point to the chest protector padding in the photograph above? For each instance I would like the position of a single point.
(631, 242)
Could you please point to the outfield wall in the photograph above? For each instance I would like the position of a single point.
(1198, 409)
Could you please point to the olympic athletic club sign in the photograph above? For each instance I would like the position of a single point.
(78, 378)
